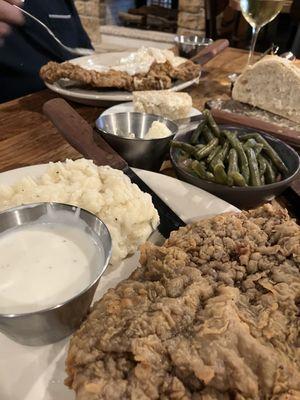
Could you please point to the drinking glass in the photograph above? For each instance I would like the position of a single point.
(258, 13)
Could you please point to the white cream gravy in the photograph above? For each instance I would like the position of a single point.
(44, 264)
(139, 62)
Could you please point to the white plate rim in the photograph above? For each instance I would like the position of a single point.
(85, 95)
(32, 373)
(106, 96)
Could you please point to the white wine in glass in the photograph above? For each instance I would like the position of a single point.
(258, 13)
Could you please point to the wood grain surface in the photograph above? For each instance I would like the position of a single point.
(28, 138)
(80, 134)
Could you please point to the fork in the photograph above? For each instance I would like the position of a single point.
(75, 50)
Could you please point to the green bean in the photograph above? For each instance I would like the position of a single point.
(237, 145)
(232, 161)
(268, 149)
(257, 147)
(261, 165)
(211, 123)
(234, 176)
(188, 148)
(205, 151)
(217, 166)
(221, 155)
(207, 134)
(223, 134)
(212, 154)
(220, 174)
(250, 143)
(225, 150)
(274, 157)
(238, 179)
(198, 168)
(230, 180)
(270, 174)
(245, 137)
(232, 165)
(199, 146)
(197, 132)
(253, 166)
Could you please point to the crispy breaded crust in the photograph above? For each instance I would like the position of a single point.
(159, 76)
(54, 71)
(210, 315)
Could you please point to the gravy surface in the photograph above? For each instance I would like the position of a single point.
(45, 264)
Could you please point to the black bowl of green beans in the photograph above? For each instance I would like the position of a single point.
(244, 167)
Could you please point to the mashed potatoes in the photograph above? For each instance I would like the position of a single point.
(128, 212)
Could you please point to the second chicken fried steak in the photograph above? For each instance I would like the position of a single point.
(158, 77)
(210, 315)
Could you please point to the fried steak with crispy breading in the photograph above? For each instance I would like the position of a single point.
(211, 315)
(159, 76)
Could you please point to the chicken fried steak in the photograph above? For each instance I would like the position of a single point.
(158, 77)
(211, 315)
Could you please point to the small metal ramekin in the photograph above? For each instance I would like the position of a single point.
(138, 152)
(54, 323)
(189, 46)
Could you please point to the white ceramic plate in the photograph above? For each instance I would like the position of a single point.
(128, 107)
(37, 373)
(102, 96)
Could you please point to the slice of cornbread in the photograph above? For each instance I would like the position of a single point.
(172, 105)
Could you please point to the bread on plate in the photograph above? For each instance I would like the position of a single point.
(163, 102)
(272, 84)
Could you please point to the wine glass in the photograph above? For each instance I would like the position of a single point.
(258, 13)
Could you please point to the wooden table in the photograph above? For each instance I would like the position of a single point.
(28, 138)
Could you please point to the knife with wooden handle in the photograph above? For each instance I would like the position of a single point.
(210, 51)
(80, 135)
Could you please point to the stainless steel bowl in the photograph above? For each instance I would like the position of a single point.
(189, 46)
(52, 324)
(140, 153)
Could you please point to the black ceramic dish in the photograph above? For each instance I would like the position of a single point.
(243, 197)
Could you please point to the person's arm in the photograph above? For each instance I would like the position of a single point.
(9, 15)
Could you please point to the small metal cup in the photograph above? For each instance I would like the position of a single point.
(138, 152)
(54, 323)
(189, 46)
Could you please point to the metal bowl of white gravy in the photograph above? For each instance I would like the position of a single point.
(52, 258)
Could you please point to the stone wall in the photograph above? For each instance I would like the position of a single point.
(92, 15)
(191, 17)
